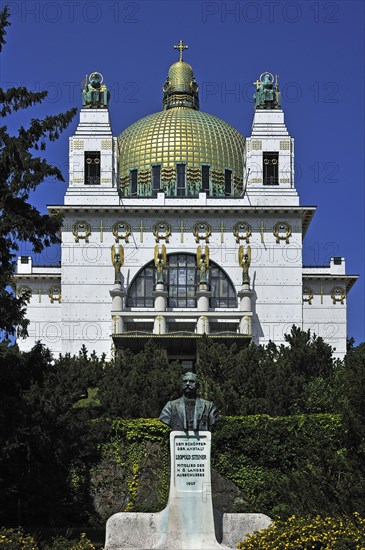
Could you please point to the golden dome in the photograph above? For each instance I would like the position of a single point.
(180, 150)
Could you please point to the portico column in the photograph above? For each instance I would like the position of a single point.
(245, 295)
(160, 297)
(117, 295)
(202, 296)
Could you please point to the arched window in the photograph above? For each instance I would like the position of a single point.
(182, 279)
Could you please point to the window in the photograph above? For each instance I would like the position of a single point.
(228, 182)
(223, 292)
(182, 279)
(24, 259)
(140, 292)
(271, 168)
(156, 179)
(133, 180)
(205, 178)
(92, 168)
(180, 172)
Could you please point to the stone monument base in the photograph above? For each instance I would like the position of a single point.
(142, 531)
(188, 522)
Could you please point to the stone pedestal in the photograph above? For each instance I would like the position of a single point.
(202, 296)
(160, 297)
(245, 296)
(117, 295)
(188, 521)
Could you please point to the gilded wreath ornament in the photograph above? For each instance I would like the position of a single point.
(282, 232)
(202, 231)
(161, 230)
(24, 291)
(54, 294)
(338, 294)
(308, 295)
(242, 231)
(81, 230)
(121, 230)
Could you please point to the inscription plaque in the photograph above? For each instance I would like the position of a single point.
(191, 462)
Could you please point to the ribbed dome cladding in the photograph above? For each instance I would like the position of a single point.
(181, 135)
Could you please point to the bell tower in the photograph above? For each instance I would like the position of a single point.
(269, 150)
(93, 149)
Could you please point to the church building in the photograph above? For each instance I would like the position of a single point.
(180, 228)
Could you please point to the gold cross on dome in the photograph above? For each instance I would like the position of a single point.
(181, 47)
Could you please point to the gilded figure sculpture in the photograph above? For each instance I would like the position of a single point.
(202, 260)
(117, 261)
(244, 260)
(160, 262)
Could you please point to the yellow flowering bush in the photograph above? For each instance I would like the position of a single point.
(62, 543)
(307, 533)
(16, 539)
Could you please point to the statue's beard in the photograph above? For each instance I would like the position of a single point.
(189, 392)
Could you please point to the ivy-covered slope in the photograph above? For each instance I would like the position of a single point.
(279, 465)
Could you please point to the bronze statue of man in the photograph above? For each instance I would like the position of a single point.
(189, 412)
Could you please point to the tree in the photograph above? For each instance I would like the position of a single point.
(138, 385)
(277, 380)
(48, 442)
(22, 170)
(354, 403)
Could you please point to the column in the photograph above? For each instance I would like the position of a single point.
(117, 295)
(202, 297)
(245, 295)
(160, 296)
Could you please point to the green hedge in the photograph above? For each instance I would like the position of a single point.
(282, 465)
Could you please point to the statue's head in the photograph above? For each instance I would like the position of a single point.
(95, 80)
(190, 384)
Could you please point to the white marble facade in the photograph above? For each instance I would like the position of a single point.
(71, 305)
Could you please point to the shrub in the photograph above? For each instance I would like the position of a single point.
(329, 533)
(62, 543)
(16, 539)
(285, 465)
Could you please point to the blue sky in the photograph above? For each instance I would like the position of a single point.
(316, 48)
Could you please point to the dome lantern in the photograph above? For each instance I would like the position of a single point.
(180, 88)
